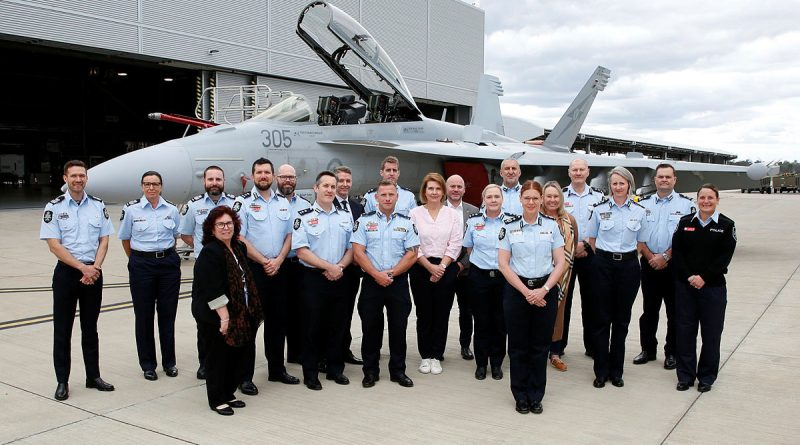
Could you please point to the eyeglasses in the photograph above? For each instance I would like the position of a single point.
(148, 185)
(287, 178)
(223, 224)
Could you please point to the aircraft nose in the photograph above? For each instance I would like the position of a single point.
(119, 180)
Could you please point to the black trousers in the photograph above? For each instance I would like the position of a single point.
(582, 273)
(464, 300)
(616, 284)
(657, 285)
(486, 292)
(223, 366)
(326, 302)
(397, 301)
(352, 277)
(704, 307)
(433, 302)
(530, 331)
(68, 292)
(296, 311)
(154, 284)
(273, 294)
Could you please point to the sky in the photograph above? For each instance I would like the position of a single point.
(716, 75)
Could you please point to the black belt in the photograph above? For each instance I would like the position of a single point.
(624, 256)
(159, 254)
(533, 283)
(493, 273)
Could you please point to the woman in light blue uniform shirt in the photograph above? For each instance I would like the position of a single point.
(486, 283)
(531, 258)
(616, 227)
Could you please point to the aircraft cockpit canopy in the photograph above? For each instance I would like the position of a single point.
(293, 108)
(343, 44)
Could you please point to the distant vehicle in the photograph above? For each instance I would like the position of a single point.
(783, 183)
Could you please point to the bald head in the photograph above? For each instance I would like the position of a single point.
(510, 171)
(578, 173)
(455, 189)
(287, 180)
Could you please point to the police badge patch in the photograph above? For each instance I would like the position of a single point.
(236, 206)
(296, 223)
(105, 213)
(415, 229)
(48, 216)
(502, 233)
(123, 215)
(184, 209)
(355, 226)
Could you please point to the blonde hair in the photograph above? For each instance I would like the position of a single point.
(561, 212)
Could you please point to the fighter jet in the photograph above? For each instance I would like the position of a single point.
(381, 118)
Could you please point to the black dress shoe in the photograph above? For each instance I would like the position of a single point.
(284, 377)
(599, 383)
(248, 388)
(150, 375)
(236, 403)
(670, 362)
(643, 358)
(223, 410)
(340, 379)
(201, 373)
(466, 353)
(369, 380)
(497, 372)
(172, 371)
(480, 372)
(312, 384)
(99, 384)
(523, 407)
(618, 382)
(350, 358)
(403, 380)
(537, 408)
(683, 386)
(703, 387)
(62, 391)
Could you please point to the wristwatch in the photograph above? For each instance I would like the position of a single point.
(546, 289)
(665, 256)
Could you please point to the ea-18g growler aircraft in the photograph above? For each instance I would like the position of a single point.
(380, 119)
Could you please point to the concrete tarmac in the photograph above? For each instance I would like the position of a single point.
(755, 400)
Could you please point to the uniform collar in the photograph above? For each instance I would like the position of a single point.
(221, 197)
(143, 202)
(72, 201)
(612, 203)
(485, 216)
(318, 208)
(523, 223)
(667, 199)
(513, 189)
(714, 217)
(586, 190)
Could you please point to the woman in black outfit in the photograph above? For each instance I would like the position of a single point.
(702, 248)
(225, 305)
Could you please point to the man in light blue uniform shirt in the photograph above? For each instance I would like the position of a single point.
(267, 224)
(321, 238)
(193, 215)
(664, 209)
(579, 199)
(390, 171)
(148, 229)
(76, 227)
(510, 171)
(385, 246)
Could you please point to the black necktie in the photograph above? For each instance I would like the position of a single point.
(344, 204)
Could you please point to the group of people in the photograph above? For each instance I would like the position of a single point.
(513, 262)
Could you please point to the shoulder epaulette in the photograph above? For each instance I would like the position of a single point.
(687, 217)
(511, 218)
(369, 213)
(646, 198)
(636, 203)
(684, 196)
(167, 202)
(246, 195)
(602, 201)
(475, 215)
(597, 190)
(726, 219)
(565, 189)
(305, 211)
(57, 200)
(94, 197)
(546, 216)
(196, 198)
(403, 188)
(136, 201)
(403, 216)
(280, 195)
(229, 196)
(372, 190)
(304, 199)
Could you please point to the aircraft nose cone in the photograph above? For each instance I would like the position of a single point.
(119, 180)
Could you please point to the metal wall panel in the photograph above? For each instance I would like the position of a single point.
(455, 50)
(226, 98)
(47, 24)
(452, 95)
(301, 68)
(240, 21)
(402, 30)
(194, 49)
(115, 9)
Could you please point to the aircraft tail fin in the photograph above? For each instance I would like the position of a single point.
(566, 130)
(487, 106)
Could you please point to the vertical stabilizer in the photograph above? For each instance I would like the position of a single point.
(566, 130)
(487, 107)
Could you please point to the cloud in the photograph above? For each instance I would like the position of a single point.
(709, 74)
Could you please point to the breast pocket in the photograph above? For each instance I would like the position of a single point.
(398, 240)
(140, 226)
(673, 222)
(282, 215)
(544, 245)
(95, 224)
(200, 219)
(314, 232)
(606, 224)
